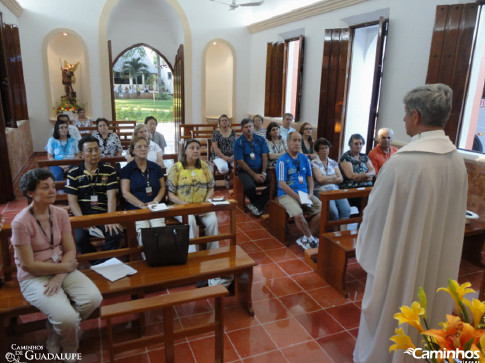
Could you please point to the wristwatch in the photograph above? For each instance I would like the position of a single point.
(264, 173)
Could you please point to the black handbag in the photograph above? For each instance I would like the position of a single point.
(167, 245)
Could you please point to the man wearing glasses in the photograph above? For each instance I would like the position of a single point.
(91, 188)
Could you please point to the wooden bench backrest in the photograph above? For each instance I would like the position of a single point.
(127, 219)
(325, 224)
(115, 128)
(110, 160)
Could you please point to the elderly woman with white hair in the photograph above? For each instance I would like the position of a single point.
(155, 153)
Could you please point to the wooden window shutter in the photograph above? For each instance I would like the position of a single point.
(332, 87)
(449, 58)
(273, 103)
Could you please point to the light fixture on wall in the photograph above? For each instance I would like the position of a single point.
(233, 5)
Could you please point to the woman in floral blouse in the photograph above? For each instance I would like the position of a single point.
(109, 142)
(357, 169)
(276, 145)
(190, 181)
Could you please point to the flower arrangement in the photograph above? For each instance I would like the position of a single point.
(462, 336)
(67, 104)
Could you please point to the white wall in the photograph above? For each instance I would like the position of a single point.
(219, 80)
(36, 22)
(410, 30)
(405, 65)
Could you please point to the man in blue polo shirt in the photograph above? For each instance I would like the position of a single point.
(91, 189)
(251, 155)
(295, 191)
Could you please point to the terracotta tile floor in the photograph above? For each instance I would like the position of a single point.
(298, 317)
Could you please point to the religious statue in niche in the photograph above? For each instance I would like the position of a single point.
(68, 78)
(68, 101)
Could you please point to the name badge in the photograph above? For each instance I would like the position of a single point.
(252, 156)
(55, 257)
(300, 179)
(193, 173)
(148, 190)
(94, 199)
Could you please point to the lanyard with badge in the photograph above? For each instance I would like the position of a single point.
(55, 256)
(252, 155)
(146, 176)
(296, 164)
(95, 180)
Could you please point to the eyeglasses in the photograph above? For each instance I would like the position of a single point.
(63, 127)
(142, 147)
(308, 128)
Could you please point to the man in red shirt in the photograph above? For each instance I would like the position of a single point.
(383, 151)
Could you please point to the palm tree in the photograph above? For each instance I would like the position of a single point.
(134, 67)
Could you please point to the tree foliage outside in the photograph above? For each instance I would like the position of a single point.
(134, 67)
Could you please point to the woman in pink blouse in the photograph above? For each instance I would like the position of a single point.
(45, 255)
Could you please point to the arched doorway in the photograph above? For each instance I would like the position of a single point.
(143, 86)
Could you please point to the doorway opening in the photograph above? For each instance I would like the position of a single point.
(361, 82)
(142, 87)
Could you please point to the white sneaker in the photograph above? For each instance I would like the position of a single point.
(53, 343)
(254, 210)
(303, 242)
(313, 241)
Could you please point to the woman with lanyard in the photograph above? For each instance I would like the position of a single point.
(45, 255)
(61, 146)
(142, 183)
(109, 142)
(190, 181)
(326, 173)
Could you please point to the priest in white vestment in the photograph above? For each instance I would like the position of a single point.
(412, 230)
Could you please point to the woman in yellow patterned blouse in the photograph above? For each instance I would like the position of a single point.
(191, 181)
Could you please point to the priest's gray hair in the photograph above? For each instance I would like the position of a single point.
(432, 101)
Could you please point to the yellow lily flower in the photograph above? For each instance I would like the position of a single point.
(410, 315)
(402, 341)
(461, 290)
(477, 308)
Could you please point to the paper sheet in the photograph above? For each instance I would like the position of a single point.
(218, 202)
(304, 198)
(157, 207)
(113, 269)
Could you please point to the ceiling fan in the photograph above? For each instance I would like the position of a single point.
(233, 5)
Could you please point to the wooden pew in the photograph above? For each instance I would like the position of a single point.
(201, 265)
(335, 248)
(167, 302)
(112, 160)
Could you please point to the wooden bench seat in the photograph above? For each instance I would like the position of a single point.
(335, 248)
(167, 302)
(223, 261)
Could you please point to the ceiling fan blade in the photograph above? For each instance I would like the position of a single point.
(256, 3)
(221, 2)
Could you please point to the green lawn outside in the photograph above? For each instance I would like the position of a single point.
(138, 109)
